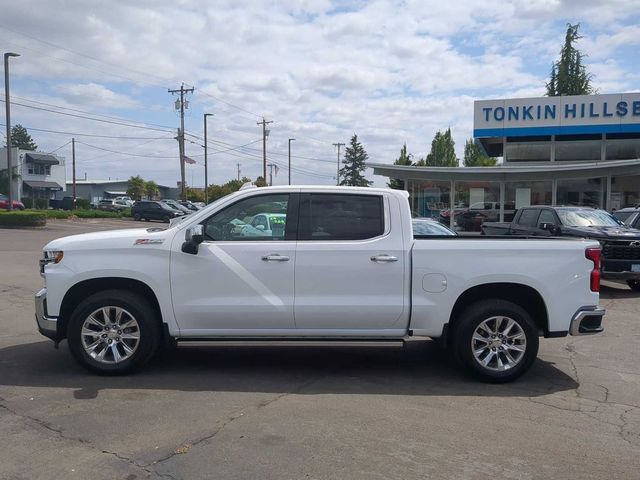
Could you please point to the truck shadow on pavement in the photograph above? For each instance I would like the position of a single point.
(420, 368)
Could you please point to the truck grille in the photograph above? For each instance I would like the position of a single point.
(628, 250)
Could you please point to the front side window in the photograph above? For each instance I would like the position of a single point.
(341, 217)
(263, 217)
(546, 216)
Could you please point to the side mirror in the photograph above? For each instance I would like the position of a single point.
(549, 227)
(193, 237)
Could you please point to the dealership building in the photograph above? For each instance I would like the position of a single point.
(567, 150)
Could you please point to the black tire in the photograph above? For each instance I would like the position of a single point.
(634, 285)
(147, 220)
(463, 345)
(149, 330)
(137, 217)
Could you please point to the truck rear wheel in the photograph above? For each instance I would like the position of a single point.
(495, 340)
(113, 332)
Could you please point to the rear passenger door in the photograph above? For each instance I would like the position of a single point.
(350, 264)
(527, 222)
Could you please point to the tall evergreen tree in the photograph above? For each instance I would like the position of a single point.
(20, 138)
(568, 75)
(403, 159)
(354, 164)
(443, 153)
(475, 157)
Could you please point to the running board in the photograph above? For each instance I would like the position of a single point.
(235, 342)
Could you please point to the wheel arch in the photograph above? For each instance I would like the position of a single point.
(85, 288)
(522, 295)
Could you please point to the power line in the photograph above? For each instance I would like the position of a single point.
(90, 134)
(88, 118)
(60, 147)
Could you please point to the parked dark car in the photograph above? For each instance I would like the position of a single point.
(4, 203)
(176, 205)
(150, 210)
(470, 219)
(620, 243)
(629, 216)
(189, 205)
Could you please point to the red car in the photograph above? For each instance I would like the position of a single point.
(4, 203)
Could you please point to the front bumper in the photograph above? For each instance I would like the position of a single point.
(587, 321)
(47, 326)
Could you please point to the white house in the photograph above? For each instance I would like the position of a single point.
(35, 174)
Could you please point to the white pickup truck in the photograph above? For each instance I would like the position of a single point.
(337, 266)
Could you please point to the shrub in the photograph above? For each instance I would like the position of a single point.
(22, 219)
(42, 203)
(27, 202)
(83, 204)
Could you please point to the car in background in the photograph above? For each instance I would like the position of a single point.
(4, 203)
(429, 227)
(471, 219)
(200, 204)
(269, 224)
(176, 205)
(629, 216)
(126, 199)
(110, 205)
(151, 210)
(189, 205)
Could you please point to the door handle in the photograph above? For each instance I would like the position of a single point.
(275, 257)
(384, 258)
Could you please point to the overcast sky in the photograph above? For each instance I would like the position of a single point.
(390, 71)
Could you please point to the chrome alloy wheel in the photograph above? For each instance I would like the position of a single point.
(499, 343)
(110, 335)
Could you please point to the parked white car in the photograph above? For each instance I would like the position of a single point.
(345, 267)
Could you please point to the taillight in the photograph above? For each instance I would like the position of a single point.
(593, 254)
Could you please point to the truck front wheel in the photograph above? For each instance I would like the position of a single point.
(113, 331)
(634, 285)
(495, 340)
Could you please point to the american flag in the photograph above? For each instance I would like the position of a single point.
(188, 160)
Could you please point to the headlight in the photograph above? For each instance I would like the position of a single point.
(53, 256)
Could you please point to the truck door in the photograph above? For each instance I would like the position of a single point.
(350, 264)
(526, 222)
(241, 280)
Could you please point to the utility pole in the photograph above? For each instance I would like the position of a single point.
(265, 134)
(271, 167)
(7, 104)
(181, 105)
(206, 178)
(73, 169)
(290, 140)
(338, 171)
(238, 165)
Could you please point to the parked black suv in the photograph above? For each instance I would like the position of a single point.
(148, 210)
(620, 243)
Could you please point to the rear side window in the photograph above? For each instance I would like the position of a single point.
(528, 217)
(340, 217)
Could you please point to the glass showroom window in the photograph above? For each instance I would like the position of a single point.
(588, 192)
(429, 199)
(475, 203)
(623, 146)
(528, 149)
(523, 194)
(578, 147)
(625, 192)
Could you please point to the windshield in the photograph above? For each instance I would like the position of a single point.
(427, 227)
(587, 218)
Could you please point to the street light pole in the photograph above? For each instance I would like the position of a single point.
(206, 178)
(290, 140)
(8, 122)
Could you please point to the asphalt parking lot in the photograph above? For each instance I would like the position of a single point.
(266, 413)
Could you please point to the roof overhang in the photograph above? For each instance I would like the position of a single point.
(42, 158)
(41, 185)
(511, 173)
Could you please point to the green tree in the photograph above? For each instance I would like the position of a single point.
(218, 191)
(260, 181)
(151, 189)
(443, 152)
(136, 187)
(475, 157)
(195, 195)
(404, 159)
(354, 165)
(568, 75)
(20, 138)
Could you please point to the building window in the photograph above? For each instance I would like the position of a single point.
(623, 146)
(578, 147)
(429, 199)
(528, 149)
(523, 194)
(477, 202)
(588, 192)
(38, 169)
(625, 191)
